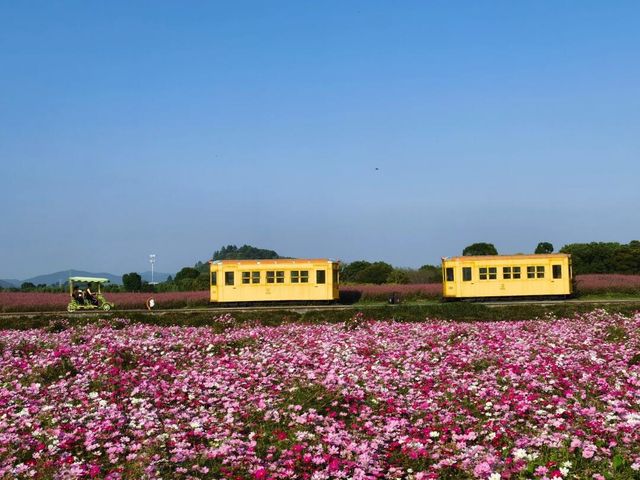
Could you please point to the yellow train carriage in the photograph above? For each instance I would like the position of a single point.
(303, 280)
(507, 276)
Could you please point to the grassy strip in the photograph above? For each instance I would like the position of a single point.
(461, 312)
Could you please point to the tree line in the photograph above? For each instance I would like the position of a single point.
(594, 257)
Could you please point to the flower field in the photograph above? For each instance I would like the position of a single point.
(370, 292)
(608, 283)
(543, 399)
(35, 301)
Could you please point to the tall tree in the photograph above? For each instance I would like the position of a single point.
(186, 272)
(132, 282)
(398, 276)
(377, 272)
(480, 248)
(429, 274)
(349, 271)
(245, 252)
(594, 257)
(544, 247)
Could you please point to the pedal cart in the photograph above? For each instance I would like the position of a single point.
(83, 301)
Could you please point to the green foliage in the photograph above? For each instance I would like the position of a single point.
(186, 273)
(57, 370)
(398, 276)
(132, 282)
(349, 271)
(480, 248)
(430, 274)
(233, 346)
(616, 333)
(27, 286)
(124, 359)
(456, 311)
(604, 257)
(189, 280)
(245, 252)
(377, 272)
(544, 247)
(202, 282)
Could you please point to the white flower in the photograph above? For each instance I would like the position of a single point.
(520, 453)
(434, 434)
(533, 456)
(633, 419)
(494, 476)
(93, 394)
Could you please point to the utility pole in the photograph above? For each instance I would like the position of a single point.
(152, 261)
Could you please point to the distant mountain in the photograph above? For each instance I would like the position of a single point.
(157, 276)
(58, 278)
(63, 276)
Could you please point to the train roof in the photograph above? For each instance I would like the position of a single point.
(275, 261)
(505, 257)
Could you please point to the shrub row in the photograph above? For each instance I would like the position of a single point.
(459, 312)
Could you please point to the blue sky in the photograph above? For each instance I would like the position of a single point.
(177, 127)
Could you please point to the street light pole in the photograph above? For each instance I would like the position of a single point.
(152, 260)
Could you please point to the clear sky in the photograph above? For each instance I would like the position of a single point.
(395, 131)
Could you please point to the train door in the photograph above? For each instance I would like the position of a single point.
(213, 284)
(449, 287)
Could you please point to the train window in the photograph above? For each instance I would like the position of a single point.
(449, 274)
(531, 272)
(488, 273)
(304, 276)
(228, 278)
(295, 276)
(540, 272)
(271, 277)
(255, 277)
(214, 278)
(516, 272)
(321, 276)
(506, 273)
(557, 271)
(335, 276)
(280, 276)
(246, 277)
(466, 274)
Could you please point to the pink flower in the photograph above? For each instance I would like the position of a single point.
(541, 470)
(588, 451)
(482, 469)
(94, 470)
